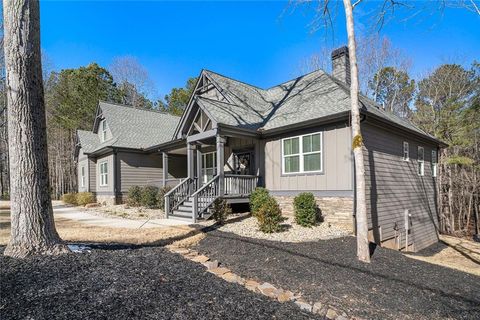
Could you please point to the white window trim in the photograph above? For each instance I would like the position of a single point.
(82, 176)
(405, 144)
(421, 163)
(204, 169)
(103, 130)
(103, 174)
(301, 154)
(434, 163)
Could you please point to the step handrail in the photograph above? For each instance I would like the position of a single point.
(175, 197)
(207, 194)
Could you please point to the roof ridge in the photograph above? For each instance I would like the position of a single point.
(296, 78)
(140, 109)
(236, 80)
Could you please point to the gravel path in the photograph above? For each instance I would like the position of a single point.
(247, 226)
(391, 287)
(146, 283)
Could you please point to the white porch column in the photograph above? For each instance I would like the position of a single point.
(221, 164)
(190, 164)
(165, 168)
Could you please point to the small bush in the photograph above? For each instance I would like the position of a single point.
(84, 198)
(134, 196)
(269, 216)
(305, 209)
(70, 198)
(257, 198)
(161, 196)
(221, 209)
(149, 197)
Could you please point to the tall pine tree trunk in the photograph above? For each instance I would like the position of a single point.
(363, 250)
(33, 228)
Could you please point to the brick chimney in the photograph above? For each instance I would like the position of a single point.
(341, 65)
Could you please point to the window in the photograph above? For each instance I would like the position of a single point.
(82, 177)
(302, 154)
(434, 163)
(421, 161)
(406, 151)
(103, 128)
(104, 173)
(209, 166)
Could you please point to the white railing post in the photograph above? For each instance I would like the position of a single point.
(195, 208)
(167, 206)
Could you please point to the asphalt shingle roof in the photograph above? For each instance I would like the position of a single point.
(88, 140)
(131, 128)
(312, 96)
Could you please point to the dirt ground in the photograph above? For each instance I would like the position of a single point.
(455, 253)
(72, 231)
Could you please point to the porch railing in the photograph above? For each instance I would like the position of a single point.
(175, 197)
(240, 184)
(204, 197)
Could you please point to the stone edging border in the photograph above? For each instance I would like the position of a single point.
(267, 289)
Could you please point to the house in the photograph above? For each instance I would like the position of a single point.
(296, 137)
(112, 157)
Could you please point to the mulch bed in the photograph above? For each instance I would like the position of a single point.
(391, 287)
(141, 283)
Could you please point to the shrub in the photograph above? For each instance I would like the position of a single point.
(70, 198)
(257, 198)
(221, 209)
(269, 216)
(83, 198)
(161, 196)
(149, 197)
(305, 209)
(134, 196)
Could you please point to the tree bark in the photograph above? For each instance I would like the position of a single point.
(32, 225)
(363, 249)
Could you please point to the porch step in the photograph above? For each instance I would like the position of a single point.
(185, 207)
(180, 215)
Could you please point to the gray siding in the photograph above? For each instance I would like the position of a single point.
(146, 169)
(138, 169)
(337, 163)
(393, 185)
(92, 175)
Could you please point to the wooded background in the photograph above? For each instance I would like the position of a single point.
(444, 102)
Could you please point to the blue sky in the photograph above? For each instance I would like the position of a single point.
(262, 43)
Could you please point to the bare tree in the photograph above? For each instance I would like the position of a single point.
(363, 249)
(33, 228)
(132, 79)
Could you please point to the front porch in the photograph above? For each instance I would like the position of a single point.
(219, 166)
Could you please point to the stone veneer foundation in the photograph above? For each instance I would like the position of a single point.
(337, 210)
(106, 199)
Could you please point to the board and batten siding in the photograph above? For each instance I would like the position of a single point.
(337, 163)
(83, 162)
(393, 185)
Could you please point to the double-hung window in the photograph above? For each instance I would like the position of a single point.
(406, 151)
(302, 154)
(421, 161)
(103, 128)
(82, 176)
(434, 163)
(104, 173)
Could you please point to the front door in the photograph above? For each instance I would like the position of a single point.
(244, 163)
(209, 166)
